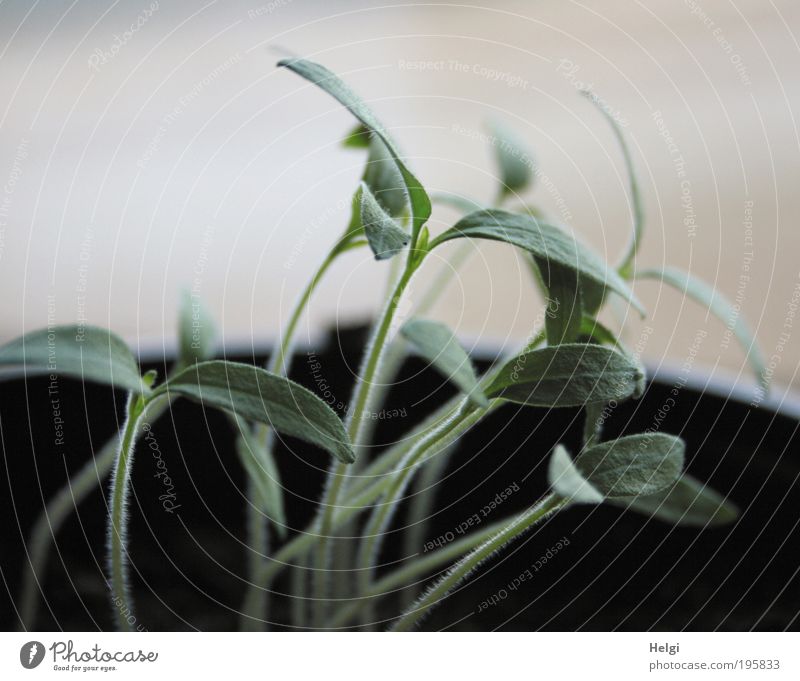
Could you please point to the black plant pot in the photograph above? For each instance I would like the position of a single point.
(589, 568)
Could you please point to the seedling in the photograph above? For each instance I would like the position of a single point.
(571, 360)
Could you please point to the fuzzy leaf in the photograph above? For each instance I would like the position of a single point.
(513, 159)
(567, 482)
(687, 502)
(544, 241)
(334, 86)
(261, 469)
(633, 465)
(258, 395)
(437, 344)
(196, 331)
(564, 301)
(384, 179)
(88, 353)
(568, 375)
(719, 306)
(385, 237)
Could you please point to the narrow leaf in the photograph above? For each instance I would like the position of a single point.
(633, 465)
(258, 395)
(687, 502)
(437, 344)
(564, 301)
(334, 86)
(567, 481)
(719, 306)
(385, 237)
(514, 161)
(85, 352)
(384, 179)
(262, 471)
(544, 241)
(568, 375)
(196, 331)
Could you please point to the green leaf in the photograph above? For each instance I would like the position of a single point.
(334, 86)
(84, 352)
(196, 331)
(357, 138)
(513, 159)
(626, 264)
(384, 179)
(719, 306)
(597, 332)
(460, 203)
(568, 375)
(261, 469)
(687, 502)
(258, 395)
(564, 301)
(633, 465)
(436, 343)
(544, 241)
(385, 237)
(627, 467)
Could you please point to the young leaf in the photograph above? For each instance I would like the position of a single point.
(542, 240)
(687, 502)
(357, 138)
(384, 179)
(196, 331)
(568, 375)
(596, 332)
(564, 301)
(626, 264)
(633, 465)
(262, 471)
(567, 482)
(258, 395)
(436, 344)
(334, 86)
(385, 238)
(630, 466)
(719, 306)
(513, 159)
(85, 352)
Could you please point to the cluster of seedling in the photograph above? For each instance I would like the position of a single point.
(573, 360)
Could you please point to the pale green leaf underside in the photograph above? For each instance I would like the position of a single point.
(514, 161)
(436, 343)
(196, 331)
(567, 482)
(258, 395)
(687, 502)
(544, 241)
(385, 237)
(719, 306)
(334, 86)
(88, 353)
(568, 375)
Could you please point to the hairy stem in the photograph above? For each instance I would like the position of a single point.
(464, 567)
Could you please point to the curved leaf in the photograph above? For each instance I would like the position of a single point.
(564, 312)
(687, 502)
(384, 179)
(258, 395)
(437, 344)
(85, 352)
(567, 481)
(514, 161)
(719, 306)
(568, 375)
(385, 237)
(544, 241)
(334, 86)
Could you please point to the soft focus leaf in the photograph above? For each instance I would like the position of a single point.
(334, 86)
(544, 241)
(568, 375)
(357, 138)
(567, 481)
(457, 201)
(633, 465)
(564, 302)
(196, 331)
(514, 160)
(436, 344)
(719, 306)
(258, 395)
(384, 179)
(84, 352)
(385, 237)
(687, 502)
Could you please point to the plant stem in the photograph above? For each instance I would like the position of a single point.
(464, 567)
(117, 529)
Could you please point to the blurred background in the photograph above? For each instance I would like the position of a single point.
(150, 147)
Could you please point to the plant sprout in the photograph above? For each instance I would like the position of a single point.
(573, 360)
